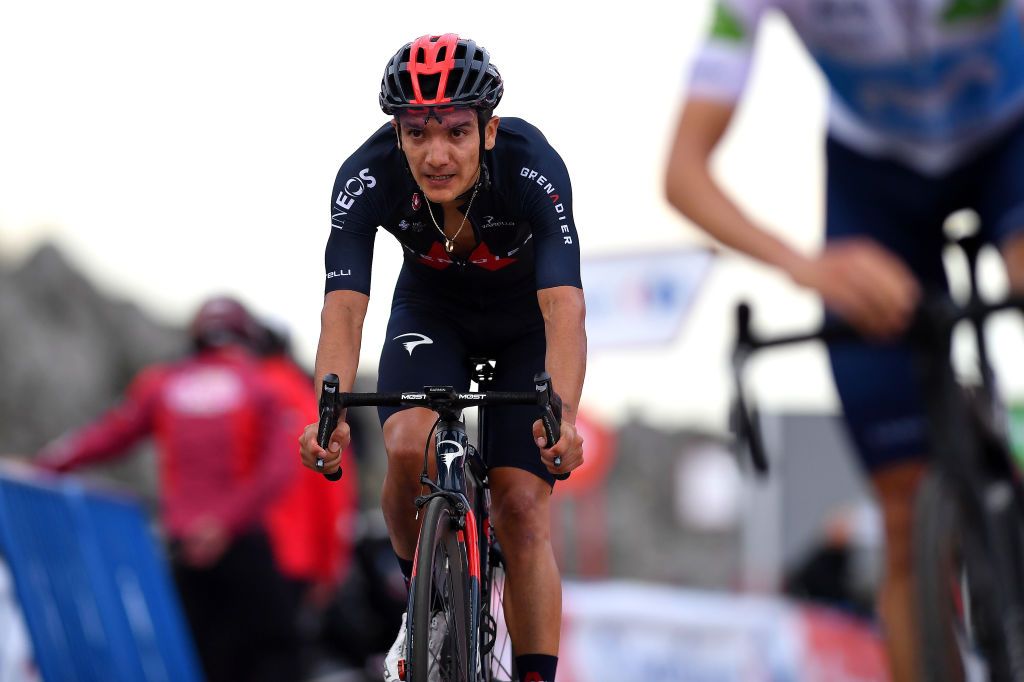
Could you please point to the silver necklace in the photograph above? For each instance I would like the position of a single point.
(449, 244)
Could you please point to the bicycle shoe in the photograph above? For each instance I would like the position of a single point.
(394, 662)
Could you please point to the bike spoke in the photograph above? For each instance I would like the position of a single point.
(498, 668)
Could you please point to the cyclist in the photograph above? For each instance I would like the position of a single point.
(223, 439)
(491, 267)
(926, 117)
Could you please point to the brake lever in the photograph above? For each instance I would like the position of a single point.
(329, 410)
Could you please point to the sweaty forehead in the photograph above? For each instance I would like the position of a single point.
(444, 117)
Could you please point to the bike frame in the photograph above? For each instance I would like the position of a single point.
(462, 477)
(466, 491)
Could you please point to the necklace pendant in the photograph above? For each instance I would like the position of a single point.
(449, 245)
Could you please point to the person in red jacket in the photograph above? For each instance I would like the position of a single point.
(312, 524)
(222, 436)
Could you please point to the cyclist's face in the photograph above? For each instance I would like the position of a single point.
(443, 150)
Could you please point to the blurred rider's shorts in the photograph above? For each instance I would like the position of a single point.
(904, 211)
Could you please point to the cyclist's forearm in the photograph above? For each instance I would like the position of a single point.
(693, 191)
(702, 200)
(341, 333)
(564, 313)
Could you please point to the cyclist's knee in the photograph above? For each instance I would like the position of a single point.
(521, 518)
(405, 435)
(896, 488)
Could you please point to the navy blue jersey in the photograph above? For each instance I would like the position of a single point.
(522, 221)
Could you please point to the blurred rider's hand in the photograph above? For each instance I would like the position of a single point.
(865, 284)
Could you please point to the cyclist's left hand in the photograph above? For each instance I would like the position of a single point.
(569, 447)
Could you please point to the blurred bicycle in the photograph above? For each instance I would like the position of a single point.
(968, 528)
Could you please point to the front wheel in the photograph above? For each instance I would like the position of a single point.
(438, 636)
(962, 614)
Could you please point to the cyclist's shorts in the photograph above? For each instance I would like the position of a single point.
(429, 343)
(904, 211)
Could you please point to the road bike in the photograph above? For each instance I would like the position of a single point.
(968, 528)
(458, 570)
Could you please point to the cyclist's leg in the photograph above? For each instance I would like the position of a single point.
(520, 509)
(896, 487)
(420, 349)
(881, 401)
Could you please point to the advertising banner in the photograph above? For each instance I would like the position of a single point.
(641, 299)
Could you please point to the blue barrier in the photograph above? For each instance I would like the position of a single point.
(97, 597)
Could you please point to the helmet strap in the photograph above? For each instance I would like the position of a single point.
(405, 159)
(485, 178)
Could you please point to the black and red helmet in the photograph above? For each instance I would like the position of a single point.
(440, 71)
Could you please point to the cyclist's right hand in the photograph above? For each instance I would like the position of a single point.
(865, 284)
(310, 450)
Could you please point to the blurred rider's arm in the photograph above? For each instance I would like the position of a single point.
(109, 437)
(858, 279)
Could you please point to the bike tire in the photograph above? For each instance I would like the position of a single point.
(959, 614)
(440, 586)
(496, 653)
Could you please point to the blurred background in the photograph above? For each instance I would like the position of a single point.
(154, 155)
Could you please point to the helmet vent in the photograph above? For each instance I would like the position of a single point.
(429, 84)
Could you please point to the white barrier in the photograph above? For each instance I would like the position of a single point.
(16, 661)
(630, 632)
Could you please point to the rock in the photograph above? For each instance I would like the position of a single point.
(67, 353)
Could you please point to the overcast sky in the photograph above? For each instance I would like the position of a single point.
(176, 150)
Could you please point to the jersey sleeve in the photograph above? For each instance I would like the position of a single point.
(723, 63)
(547, 199)
(354, 220)
(112, 434)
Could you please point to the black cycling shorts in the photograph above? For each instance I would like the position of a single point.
(904, 211)
(430, 345)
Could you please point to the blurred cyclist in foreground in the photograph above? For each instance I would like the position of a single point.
(223, 457)
(926, 118)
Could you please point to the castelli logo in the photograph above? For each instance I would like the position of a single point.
(416, 201)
